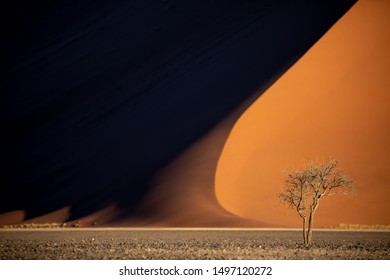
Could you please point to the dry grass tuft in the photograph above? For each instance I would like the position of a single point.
(358, 226)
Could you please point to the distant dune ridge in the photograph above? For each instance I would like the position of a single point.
(116, 112)
(334, 102)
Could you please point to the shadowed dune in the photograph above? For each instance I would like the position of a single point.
(334, 102)
(117, 111)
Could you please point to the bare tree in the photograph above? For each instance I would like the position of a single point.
(304, 190)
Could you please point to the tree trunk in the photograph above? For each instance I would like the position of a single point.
(310, 227)
(304, 231)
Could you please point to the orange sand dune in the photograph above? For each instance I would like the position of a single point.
(335, 102)
(52, 217)
(12, 217)
(119, 116)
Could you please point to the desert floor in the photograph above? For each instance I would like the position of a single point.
(191, 244)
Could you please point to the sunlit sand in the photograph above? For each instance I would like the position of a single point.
(334, 102)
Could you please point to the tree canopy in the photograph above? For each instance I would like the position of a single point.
(304, 189)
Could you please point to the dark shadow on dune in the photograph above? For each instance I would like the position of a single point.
(97, 96)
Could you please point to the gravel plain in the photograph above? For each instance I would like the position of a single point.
(164, 244)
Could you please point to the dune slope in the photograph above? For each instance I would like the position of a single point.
(334, 102)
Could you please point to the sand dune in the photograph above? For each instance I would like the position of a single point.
(117, 111)
(334, 102)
